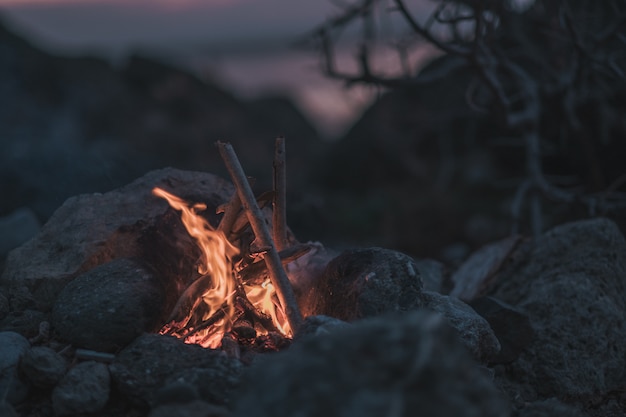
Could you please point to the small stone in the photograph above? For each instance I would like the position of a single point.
(43, 366)
(108, 307)
(20, 298)
(194, 409)
(25, 322)
(368, 282)
(474, 331)
(12, 348)
(84, 389)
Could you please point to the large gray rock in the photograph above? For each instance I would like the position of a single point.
(367, 282)
(90, 230)
(84, 389)
(107, 307)
(152, 363)
(401, 365)
(474, 330)
(12, 348)
(572, 284)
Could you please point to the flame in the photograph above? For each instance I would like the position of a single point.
(264, 298)
(216, 261)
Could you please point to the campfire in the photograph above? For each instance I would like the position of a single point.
(243, 291)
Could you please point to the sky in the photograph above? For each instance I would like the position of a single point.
(241, 43)
(118, 23)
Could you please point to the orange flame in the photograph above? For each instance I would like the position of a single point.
(217, 261)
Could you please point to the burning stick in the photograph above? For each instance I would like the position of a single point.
(278, 276)
(279, 218)
(231, 211)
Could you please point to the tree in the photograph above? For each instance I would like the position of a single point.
(552, 72)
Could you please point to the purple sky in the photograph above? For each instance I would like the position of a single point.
(231, 40)
(120, 24)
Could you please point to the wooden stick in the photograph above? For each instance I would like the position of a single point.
(253, 274)
(92, 355)
(231, 212)
(279, 215)
(278, 276)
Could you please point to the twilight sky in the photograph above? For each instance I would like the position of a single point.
(122, 23)
(239, 43)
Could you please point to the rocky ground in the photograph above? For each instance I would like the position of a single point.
(419, 300)
(525, 327)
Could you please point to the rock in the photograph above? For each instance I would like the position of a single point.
(4, 306)
(510, 325)
(20, 298)
(107, 307)
(90, 230)
(400, 364)
(476, 275)
(474, 331)
(551, 407)
(193, 409)
(368, 282)
(305, 272)
(319, 325)
(153, 362)
(12, 348)
(432, 273)
(84, 389)
(43, 367)
(25, 322)
(7, 410)
(571, 283)
(213, 382)
(16, 228)
(177, 392)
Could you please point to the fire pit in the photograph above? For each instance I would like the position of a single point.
(166, 297)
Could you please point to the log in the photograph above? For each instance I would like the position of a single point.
(253, 274)
(278, 276)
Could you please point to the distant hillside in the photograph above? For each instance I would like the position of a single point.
(70, 125)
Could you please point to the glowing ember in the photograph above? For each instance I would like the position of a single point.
(216, 305)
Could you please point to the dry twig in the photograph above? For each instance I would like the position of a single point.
(279, 214)
(278, 276)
